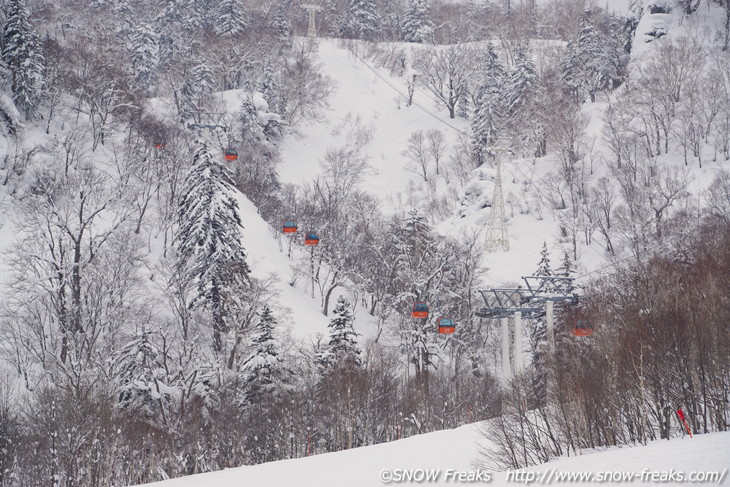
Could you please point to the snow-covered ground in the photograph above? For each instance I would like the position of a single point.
(458, 451)
(367, 97)
(298, 310)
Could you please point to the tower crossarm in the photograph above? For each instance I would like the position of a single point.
(551, 288)
(499, 303)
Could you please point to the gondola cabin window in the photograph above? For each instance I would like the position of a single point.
(419, 310)
(311, 238)
(446, 326)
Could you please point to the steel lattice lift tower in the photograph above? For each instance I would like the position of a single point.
(312, 11)
(497, 227)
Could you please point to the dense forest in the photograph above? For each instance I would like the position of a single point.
(137, 344)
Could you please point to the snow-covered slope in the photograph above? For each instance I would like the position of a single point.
(296, 308)
(365, 97)
(458, 450)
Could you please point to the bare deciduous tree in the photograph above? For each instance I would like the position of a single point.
(445, 73)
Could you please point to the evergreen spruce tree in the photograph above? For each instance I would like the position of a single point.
(543, 267)
(144, 58)
(391, 20)
(282, 29)
(271, 90)
(488, 112)
(200, 16)
(520, 95)
(251, 131)
(204, 80)
(587, 65)
(342, 350)
(262, 370)
(538, 337)
(231, 18)
(137, 365)
(123, 15)
(416, 25)
(198, 87)
(210, 252)
(463, 105)
(170, 28)
(363, 20)
(567, 269)
(521, 82)
(21, 53)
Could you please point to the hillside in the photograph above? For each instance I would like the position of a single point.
(159, 320)
(456, 450)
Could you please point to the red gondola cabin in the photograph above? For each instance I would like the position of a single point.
(160, 144)
(582, 328)
(419, 310)
(311, 238)
(447, 326)
(289, 226)
(231, 154)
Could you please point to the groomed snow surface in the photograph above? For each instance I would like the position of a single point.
(457, 451)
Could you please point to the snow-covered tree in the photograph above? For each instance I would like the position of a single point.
(271, 90)
(21, 53)
(124, 18)
(520, 83)
(391, 20)
(521, 105)
(169, 25)
(231, 18)
(251, 131)
(566, 269)
(488, 112)
(445, 73)
(421, 265)
(200, 15)
(198, 87)
(342, 350)
(590, 62)
(144, 58)
(416, 25)
(363, 20)
(262, 369)
(210, 252)
(204, 79)
(282, 29)
(543, 267)
(136, 368)
(538, 336)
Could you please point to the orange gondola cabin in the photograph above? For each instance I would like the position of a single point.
(289, 226)
(231, 154)
(419, 310)
(160, 144)
(582, 327)
(446, 326)
(311, 238)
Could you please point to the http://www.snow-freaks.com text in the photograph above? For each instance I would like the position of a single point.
(550, 476)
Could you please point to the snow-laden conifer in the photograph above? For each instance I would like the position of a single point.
(209, 240)
(22, 55)
(416, 24)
